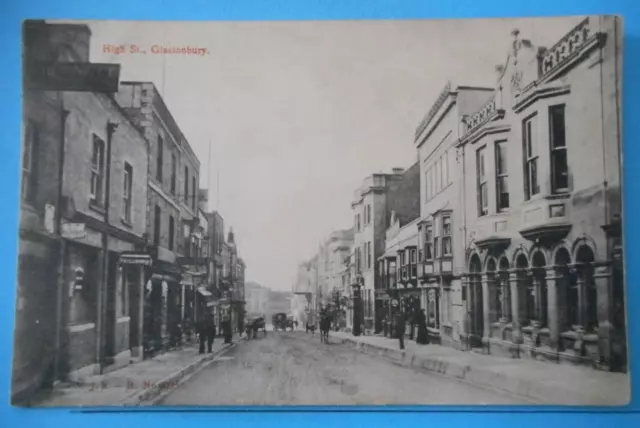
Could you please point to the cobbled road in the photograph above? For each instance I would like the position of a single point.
(294, 368)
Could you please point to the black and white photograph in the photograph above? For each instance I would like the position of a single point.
(321, 213)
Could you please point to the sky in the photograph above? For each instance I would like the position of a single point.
(288, 118)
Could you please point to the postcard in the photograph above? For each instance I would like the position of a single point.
(394, 212)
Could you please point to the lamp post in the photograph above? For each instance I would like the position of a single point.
(357, 307)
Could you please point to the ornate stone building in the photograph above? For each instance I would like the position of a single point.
(541, 173)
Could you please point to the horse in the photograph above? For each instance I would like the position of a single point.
(325, 326)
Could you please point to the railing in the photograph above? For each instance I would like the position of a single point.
(480, 117)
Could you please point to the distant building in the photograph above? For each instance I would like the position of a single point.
(257, 298)
(373, 203)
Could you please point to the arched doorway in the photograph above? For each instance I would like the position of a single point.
(567, 291)
(588, 296)
(476, 315)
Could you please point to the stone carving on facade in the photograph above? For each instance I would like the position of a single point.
(566, 47)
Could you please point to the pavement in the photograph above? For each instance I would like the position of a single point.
(542, 382)
(294, 368)
(134, 384)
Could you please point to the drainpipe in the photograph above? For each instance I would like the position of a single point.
(102, 303)
(60, 289)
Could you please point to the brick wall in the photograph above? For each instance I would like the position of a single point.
(88, 116)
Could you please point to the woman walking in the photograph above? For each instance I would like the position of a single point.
(423, 336)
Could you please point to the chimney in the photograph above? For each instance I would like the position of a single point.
(397, 171)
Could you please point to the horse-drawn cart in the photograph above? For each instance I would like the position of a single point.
(253, 325)
(280, 321)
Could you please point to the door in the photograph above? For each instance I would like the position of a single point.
(134, 278)
(110, 309)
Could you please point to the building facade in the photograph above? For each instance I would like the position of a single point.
(543, 252)
(257, 298)
(40, 247)
(398, 271)
(441, 226)
(377, 198)
(173, 177)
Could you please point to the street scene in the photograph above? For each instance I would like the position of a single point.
(321, 213)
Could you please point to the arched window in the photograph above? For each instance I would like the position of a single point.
(526, 292)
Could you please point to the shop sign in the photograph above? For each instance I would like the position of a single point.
(73, 230)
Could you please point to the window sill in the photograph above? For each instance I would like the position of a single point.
(95, 206)
(126, 223)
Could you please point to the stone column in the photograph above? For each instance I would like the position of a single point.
(582, 295)
(552, 306)
(602, 278)
(486, 307)
(514, 282)
(504, 300)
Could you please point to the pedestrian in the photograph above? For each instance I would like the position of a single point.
(226, 329)
(423, 336)
(399, 326)
(211, 331)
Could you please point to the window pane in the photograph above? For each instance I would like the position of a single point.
(503, 193)
(484, 196)
(501, 158)
(533, 170)
(446, 245)
(445, 168)
(446, 225)
(559, 169)
(557, 124)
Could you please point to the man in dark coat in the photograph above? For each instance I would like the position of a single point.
(226, 329)
(206, 332)
(399, 327)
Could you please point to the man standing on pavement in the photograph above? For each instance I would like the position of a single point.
(399, 327)
(226, 329)
(207, 330)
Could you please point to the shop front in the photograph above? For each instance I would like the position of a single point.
(162, 303)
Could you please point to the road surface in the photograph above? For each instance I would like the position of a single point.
(293, 368)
